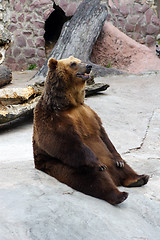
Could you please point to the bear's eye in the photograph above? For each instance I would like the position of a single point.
(72, 65)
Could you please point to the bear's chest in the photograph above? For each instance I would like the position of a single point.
(84, 121)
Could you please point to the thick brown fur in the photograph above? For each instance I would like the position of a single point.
(69, 140)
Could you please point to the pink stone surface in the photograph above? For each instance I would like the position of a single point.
(40, 12)
(137, 36)
(151, 29)
(28, 17)
(138, 29)
(121, 21)
(26, 10)
(45, 2)
(34, 5)
(14, 18)
(15, 67)
(23, 1)
(21, 60)
(145, 7)
(63, 4)
(34, 16)
(16, 52)
(36, 32)
(27, 33)
(123, 2)
(133, 19)
(30, 43)
(21, 18)
(10, 60)
(129, 27)
(41, 53)
(47, 13)
(116, 2)
(115, 11)
(123, 52)
(71, 9)
(41, 61)
(20, 41)
(138, 8)
(12, 27)
(38, 24)
(155, 20)
(150, 40)
(41, 32)
(20, 25)
(17, 7)
(29, 52)
(40, 42)
(124, 9)
(149, 14)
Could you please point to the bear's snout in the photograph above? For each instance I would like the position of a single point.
(88, 67)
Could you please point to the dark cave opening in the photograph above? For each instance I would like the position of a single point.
(53, 26)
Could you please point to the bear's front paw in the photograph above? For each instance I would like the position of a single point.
(120, 163)
(102, 167)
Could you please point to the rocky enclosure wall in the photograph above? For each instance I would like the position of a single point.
(25, 20)
(137, 18)
(26, 24)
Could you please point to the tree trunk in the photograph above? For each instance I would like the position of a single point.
(77, 38)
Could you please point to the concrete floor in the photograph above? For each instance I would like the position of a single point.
(36, 206)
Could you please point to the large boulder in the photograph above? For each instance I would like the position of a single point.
(5, 75)
(116, 50)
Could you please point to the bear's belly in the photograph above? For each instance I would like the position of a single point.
(88, 128)
(100, 150)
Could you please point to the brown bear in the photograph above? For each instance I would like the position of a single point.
(69, 141)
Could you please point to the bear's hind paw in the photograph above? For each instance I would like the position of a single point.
(140, 181)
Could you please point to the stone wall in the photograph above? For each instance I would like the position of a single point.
(137, 18)
(4, 13)
(26, 19)
(68, 6)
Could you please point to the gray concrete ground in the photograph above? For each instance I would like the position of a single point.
(35, 206)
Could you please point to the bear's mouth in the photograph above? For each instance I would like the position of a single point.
(84, 76)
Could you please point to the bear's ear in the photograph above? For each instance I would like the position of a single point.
(52, 63)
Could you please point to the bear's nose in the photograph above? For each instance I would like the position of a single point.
(89, 67)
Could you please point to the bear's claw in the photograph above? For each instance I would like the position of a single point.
(102, 168)
(120, 164)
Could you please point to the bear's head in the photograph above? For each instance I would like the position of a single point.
(65, 82)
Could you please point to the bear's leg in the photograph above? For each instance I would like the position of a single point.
(87, 180)
(133, 179)
(127, 177)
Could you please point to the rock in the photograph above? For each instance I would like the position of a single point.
(5, 75)
(116, 49)
(21, 41)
